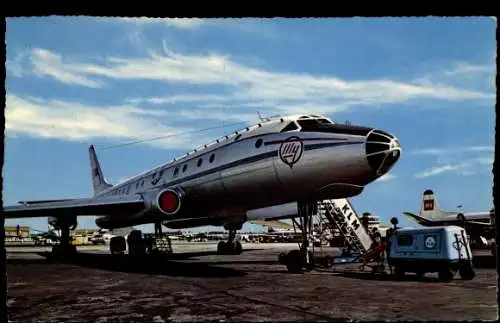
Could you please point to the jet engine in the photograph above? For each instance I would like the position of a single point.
(169, 201)
(166, 201)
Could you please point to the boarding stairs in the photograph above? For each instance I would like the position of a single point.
(341, 216)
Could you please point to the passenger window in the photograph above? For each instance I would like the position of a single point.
(212, 157)
(405, 240)
(176, 171)
(160, 174)
(200, 161)
(258, 143)
(142, 183)
(184, 168)
(290, 127)
(137, 185)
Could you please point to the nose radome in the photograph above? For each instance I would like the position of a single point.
(382, 151)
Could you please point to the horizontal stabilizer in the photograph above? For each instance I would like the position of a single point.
(41, 201)
(82, 206)
(419, 219)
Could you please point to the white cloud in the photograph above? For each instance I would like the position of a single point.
(463, 68)
(46, 63)
(474, 77)
(235, 89)
(467, 167)
(245, 82)
(453, 150)
(183, 23)
(386, 177)
(77, 122)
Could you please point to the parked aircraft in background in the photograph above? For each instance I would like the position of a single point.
(479, 225)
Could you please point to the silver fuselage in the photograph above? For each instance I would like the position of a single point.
(243, 176)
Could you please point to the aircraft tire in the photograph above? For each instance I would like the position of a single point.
(221, 247)
(399, 273)
(294, 262)
(237, 248)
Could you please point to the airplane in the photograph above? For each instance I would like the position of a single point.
(479, 224)
(298, 159)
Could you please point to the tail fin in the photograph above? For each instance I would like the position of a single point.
(429, 208)
(98, 182)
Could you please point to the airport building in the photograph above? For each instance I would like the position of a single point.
(17, 231)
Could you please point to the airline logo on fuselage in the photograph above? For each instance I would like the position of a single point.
(291, 150)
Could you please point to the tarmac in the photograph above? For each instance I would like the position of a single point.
(199, 285)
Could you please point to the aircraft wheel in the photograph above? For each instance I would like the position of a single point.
(238, 248)
(399, 272)
(221, 247)
(467, 273)
(294, 261)
(282, 258)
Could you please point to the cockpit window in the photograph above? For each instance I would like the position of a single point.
(324, 125)
(309, 125)
(290, 127)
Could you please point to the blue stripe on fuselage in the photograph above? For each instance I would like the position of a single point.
(255, 158)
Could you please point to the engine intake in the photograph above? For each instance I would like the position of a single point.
(169, 201)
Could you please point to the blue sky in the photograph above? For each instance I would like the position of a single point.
(75, 81)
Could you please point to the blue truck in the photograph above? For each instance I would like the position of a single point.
(443, 249)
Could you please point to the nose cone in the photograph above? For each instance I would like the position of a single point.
(382, 151)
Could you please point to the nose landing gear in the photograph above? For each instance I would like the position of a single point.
(298, 260)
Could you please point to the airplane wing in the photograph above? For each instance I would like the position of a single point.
(82, 206)
(478, 223)
(418, 218)
(41, 201)
(273, 224)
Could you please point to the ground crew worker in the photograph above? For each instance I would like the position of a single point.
(388, 234)
(377, 240)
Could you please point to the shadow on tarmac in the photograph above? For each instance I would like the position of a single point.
(386, 277)
(139, 265)
(487, 262)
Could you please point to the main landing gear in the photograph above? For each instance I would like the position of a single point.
(231, 246)
(298, 260)
(64, 249)
(140, 244)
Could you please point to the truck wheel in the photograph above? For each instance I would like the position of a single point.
(399, 272)
(445, 275)
(467, 273)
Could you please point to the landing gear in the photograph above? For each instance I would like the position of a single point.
(230, 247)
(302, 259)
(64, 249)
